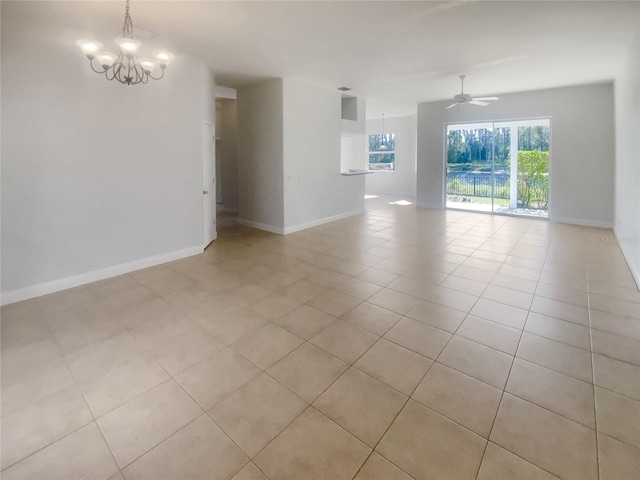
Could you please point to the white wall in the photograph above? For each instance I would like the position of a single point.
(315, 192)
(98, 178)
(226, 129)
(582, 148)
(260, 154)
(627, 205)
(401, 182)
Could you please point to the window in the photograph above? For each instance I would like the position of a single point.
(382, 152)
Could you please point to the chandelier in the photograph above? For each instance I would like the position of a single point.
(125, 67)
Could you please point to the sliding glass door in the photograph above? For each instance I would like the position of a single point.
(498, 167)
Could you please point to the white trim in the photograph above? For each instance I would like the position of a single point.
(635, 273)
(261, 226)
(45, 288)
(580, 221)
(301, 226)
(322, 221)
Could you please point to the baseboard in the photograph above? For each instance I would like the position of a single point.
(322, 221)
(53, 286)
(635, 269)
(261, 226)
(429, 206)
(580, 221)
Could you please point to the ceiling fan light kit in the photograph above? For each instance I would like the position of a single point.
(463, 98)
(125, 67)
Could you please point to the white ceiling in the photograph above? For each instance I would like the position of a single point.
(396, 54)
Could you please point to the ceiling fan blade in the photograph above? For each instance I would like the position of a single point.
(475, 102)
(452, 105)
(482, 99)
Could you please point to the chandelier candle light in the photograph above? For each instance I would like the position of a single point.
(125, 67)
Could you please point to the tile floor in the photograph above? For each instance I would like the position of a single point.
(401, 343)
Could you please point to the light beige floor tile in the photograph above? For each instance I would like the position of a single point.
(305, 321)
(154, 309)
(87, 331)
(394, 365)
(345, 341)
(374, 319)
(427, 445)
(617, 324)
(308, 371)
(217, 377)
(558, 330)
(19, 358)
(499, 463)
(483, 363)
(615, 346)
(620, 377)
(303, 290)
(377, 277)
(617, 460)
(423, 339)
(514, 283)
(35, 426)
(275, 306)
(473, 273)
(135, 427)
(82, 454)
(117, 476)
(121, 382)
(267, 345)
(561, 310)
(554, 443)
(491, 334)
(465, 285)
(314, 448)
(563, 294)
(257, 412)
(614, 305)
(554, 391)
(618, 416)
(561, 357)
(357, 288)
(234, 325)
(499, 312)
(250, 472)
(361, 404)
(200, 450)
(90, 360)
(451, 298)
(437, 316)
(24, 388)
(395, 301)
(379, 468)
(334, 303)
(463, 399)
(614, 291)
(327, 278)
(508, 296)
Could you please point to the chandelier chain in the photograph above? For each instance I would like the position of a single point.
(127, 28)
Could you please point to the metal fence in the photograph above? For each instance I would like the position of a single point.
(478, 184)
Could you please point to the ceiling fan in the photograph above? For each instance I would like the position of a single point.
(462, 97)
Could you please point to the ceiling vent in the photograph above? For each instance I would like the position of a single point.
(344, 89)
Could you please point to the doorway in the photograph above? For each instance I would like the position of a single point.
(499, 167)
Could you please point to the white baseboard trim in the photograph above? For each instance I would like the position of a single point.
(301, 226)
(321, 221)
(261, 226)
(580, 221)
(429, 206)
(53, 286)
(626, 252)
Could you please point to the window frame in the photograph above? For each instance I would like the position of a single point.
(381, 152)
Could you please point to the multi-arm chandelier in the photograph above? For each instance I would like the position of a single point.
(125, 67)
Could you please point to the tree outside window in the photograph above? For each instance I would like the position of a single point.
(382, 152)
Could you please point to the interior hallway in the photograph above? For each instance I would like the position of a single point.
(401, 343)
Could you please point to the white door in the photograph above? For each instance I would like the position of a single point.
(208, 185)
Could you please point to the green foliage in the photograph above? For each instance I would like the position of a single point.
(533, 179)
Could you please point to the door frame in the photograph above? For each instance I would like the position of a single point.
(207, 129)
